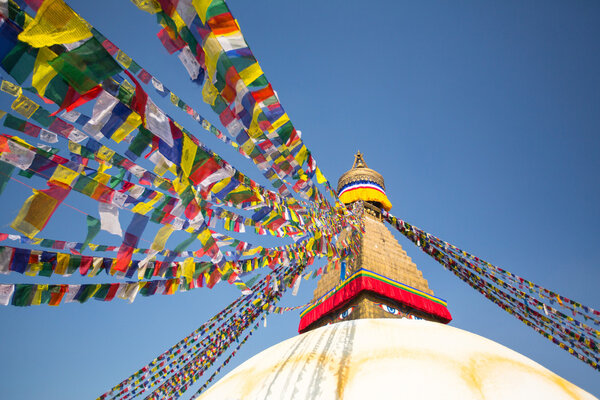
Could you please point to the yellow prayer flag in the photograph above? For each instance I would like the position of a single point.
(250, 74)
(174, 99)
(34, 268)
(320, 177)
(150, 6)
(302, 155)
(123, 59)
(188, 155)
(161, 167)
(161, 237)
(43, 72)
(254, 130)
(179, 186)
(204, 236)
(131, 123)
(10, 88)
(55, 23)
(64, 175)
(37, 297)
(105, 154)
(32, 217)
(102, 177)
(189, 267)
(179, 22)
(143, 208)
(97, 263)
(209, 92)
(279, 122)
(62, 262)
(201, 7)
(212, 51)
(74, 147)
(220, 185)
(24, 106)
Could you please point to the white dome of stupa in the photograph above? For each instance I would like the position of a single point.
(391, 359)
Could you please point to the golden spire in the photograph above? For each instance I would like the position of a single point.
(362, 183)
(359, 161)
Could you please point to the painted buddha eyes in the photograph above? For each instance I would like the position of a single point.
(391, 310)
(345, 314)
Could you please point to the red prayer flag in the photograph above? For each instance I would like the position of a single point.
(170, 44)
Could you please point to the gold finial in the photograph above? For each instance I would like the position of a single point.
(359, 161)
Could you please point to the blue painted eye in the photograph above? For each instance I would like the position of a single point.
(389, 309)
(345, 314)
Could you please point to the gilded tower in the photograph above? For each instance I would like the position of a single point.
(382, 282)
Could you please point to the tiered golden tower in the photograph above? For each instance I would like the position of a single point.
(382, 282)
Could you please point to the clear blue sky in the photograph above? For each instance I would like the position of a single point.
(483, 118)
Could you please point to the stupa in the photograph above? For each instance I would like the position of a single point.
(376, 330)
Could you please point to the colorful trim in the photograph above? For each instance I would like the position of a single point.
(366, 191)
(365, 280)
(361, 185)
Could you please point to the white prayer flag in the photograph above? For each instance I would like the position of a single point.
(109, 218)
(157, 122)
(101, 113)
(48, 137)
(6, 292)
(6, 254)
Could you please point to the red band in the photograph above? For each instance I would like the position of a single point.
(371, 284)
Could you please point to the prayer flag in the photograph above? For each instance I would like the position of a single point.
(93, 225)
(161, 237)
(19, 62)
(132, 236)
(55, 23)
(6, 292)
(86, 66)
(109, 218)
(38, 209)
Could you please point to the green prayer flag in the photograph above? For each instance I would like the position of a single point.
(141, 141)
(42, 116)
(102, 292)
(93, 225)
(23, 294)
(186, 243)
(15, 123)
(74, 262)
(134, 67)
(46, 269)
(86, 66)
(86, 292)
(45, 298)
(26, 173)
(5, 171)
(19, 61)
(47, 243)
(56, 90)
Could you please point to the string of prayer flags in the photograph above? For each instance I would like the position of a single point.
(25, 294)
(510, 294)
(246, 103)
(182, 365)
(183, 374)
